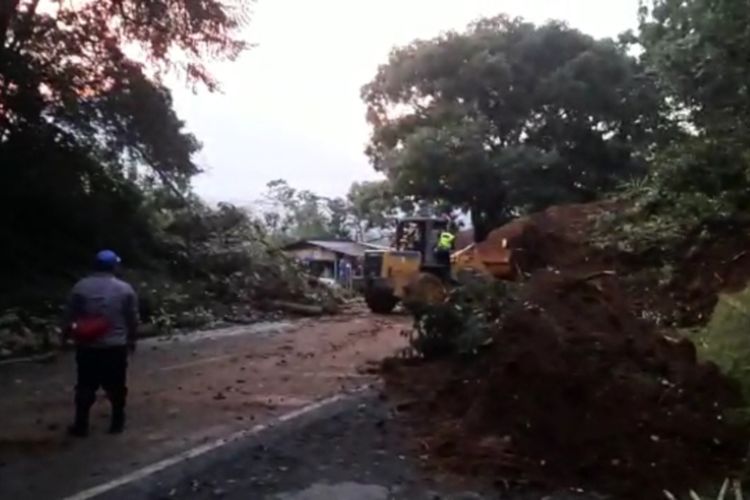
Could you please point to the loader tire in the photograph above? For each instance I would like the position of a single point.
(380, 301)
(425, 290)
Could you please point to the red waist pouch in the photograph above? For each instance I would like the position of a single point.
(90, 329)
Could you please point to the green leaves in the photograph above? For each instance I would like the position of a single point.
(290, 214)
(86, 130)
(508, 117)
(697, 47)
(373, 206)
(65, 76)
(466, 321)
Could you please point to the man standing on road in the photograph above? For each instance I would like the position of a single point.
(102, 319)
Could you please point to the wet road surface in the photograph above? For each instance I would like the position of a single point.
(350, 450)
(184, 392)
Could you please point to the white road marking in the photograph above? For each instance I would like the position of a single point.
(205, 448)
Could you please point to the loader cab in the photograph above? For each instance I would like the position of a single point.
(388, 273)
(420, 234)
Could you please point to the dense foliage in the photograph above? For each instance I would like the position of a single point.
(698, 179)
(93, 155)
(500, 119)
(465, 322)
(698, 49)
(86, 132)
(509, 117)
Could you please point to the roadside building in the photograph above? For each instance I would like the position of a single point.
(340, 260)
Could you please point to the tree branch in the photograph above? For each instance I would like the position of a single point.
(25, 30)
(8, 10)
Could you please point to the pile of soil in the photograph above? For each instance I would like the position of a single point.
(583, 386)
(716, 264)
(681, 286)
(577, 392)
(557, 237)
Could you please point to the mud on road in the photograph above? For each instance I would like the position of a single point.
(184, 392)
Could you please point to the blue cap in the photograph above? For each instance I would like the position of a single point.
(107, 258)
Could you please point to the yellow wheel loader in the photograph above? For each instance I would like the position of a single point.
(413, 273)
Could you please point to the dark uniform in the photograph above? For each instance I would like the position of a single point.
(102, 318)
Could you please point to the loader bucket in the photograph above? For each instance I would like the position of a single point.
(497, 261)
(489, 257)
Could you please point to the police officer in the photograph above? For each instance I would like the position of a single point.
(101, 319)
(443, 250)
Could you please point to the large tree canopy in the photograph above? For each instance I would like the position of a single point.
(699, 50)
(508, 117)
(64, 73)
(86, 126)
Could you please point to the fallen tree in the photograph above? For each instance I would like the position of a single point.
(210, 266)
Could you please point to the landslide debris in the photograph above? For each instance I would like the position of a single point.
(575, 386)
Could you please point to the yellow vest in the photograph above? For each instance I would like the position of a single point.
(445, 242)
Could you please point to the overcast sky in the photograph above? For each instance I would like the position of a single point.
(290, 107)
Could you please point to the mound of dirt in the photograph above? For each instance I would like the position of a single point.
(557, 237)
(577, 392)
(581, 386)
(572, 222)
(680, 285)
(720, 263)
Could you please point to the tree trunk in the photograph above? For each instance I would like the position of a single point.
(480, 226)
(487, 218)
(294, 307)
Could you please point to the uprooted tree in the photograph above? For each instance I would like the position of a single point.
(509, 117)
(94, 155)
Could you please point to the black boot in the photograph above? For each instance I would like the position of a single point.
(117, 424)
(80, 427)
(116, 388)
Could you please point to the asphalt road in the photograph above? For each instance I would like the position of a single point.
(282, 395)
(350, 450)
(184, 392)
